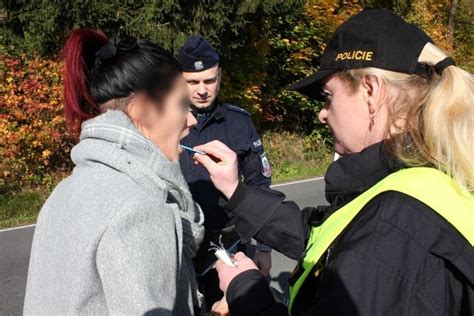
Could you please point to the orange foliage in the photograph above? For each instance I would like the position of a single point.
(34, 142)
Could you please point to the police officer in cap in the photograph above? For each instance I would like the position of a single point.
(232, 126)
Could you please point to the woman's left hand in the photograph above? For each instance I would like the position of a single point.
(221, 308)
(228, 273)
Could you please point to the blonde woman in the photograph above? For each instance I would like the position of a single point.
(398, 236)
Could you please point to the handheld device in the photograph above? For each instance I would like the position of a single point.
(224, 255)
(200, 152)
(202, 268)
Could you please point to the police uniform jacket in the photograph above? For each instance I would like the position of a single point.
(233, 126)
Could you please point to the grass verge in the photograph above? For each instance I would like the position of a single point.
(21, 208)
(294, 156)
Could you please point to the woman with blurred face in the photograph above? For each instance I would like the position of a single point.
(119, 234)
(398, 235)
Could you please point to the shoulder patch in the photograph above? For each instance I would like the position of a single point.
(236, 109)
(265, 165)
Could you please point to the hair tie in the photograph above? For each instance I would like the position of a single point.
(442, 65)
(126, 45)
(110, 49)
(107, 51)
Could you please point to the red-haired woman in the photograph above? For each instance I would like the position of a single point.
(118, 235)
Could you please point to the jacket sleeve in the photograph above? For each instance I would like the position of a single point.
(264, 214)
(255, 166)
(137, 263)
(256, 169)
(249, 294)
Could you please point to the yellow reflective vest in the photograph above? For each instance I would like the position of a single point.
(428, 185)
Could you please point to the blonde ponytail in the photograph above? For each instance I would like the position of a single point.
(437, 115)
(448, 118)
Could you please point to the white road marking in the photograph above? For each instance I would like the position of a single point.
(296, 182)
(14, 228)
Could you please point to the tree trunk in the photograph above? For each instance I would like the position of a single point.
(451, 20)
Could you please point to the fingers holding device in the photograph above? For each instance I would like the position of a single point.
(222, 165)
(228, 272)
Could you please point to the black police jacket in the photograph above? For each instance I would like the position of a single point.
(232, 126)
(397, 257)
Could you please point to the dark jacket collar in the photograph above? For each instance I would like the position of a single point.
(353, 174)
(214, 112)
(207, 112)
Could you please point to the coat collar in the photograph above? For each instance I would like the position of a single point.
(112, 140)
(353, 174)
(114, 127)
(216, 113)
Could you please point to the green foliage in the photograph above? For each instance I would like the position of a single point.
(402, 7)
(288, 52)
(20, 208)
(42, 26)
(464, 35)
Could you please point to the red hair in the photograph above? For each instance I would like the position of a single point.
(79, 54)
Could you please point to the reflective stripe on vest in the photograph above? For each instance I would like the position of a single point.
(428, 185)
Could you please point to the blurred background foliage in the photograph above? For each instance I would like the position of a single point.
(264, 44)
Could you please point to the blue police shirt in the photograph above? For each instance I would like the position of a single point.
(232, 126)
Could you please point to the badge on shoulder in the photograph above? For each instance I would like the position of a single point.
(266, 167)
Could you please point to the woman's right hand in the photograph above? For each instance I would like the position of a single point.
(221, 163)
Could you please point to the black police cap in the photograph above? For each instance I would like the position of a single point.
(197, 54)
(373, 38)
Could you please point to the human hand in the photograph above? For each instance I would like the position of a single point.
(228, 273)
(220, 307)
(263, 260)
(221, 163)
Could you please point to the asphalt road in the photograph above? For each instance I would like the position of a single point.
(15, 245)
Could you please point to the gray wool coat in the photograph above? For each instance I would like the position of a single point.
(118, 235)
